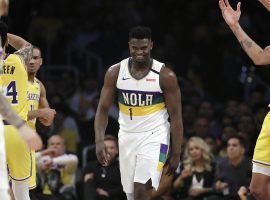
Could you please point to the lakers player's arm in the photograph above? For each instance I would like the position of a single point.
(43, 102)
(101, 119)
(266, 4)
(7, 113)
(24, 48)
(257, 54)
(172, 95)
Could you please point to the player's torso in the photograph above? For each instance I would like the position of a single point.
(14, 84)
(33, 96)
(141, 102)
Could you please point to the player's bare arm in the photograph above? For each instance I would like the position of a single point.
(172, 95)
(258, 55)
(24, 48)
(107, 96)
(45, 114)
(43, 102)
(4, 4)
(8, 114)
(266, 4)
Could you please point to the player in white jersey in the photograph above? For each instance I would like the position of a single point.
(260, 180)
(148, 94)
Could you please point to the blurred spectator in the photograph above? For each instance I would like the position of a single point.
(81, 102)
(202, 127)
(207, 110)
(69, 136)
(56, 171)
(226, 134)
(102, 182)
(197, 176)
(231, 108)
(230, 169)
(189, 115)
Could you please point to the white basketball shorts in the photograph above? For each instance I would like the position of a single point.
(142, 156)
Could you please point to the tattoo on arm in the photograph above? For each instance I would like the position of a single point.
(247, 43)
(26, 53)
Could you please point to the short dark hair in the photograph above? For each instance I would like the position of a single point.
(240, 139)
(3, 32)
(140, 32)
(36, 47)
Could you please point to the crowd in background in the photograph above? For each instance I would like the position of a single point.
(223, 97)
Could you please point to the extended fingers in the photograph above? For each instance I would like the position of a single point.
(227, 3)
(238, 7)
(222, 4)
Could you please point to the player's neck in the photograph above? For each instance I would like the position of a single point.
(138, 66)
(31, 78)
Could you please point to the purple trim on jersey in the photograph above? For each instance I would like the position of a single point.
(6, 56)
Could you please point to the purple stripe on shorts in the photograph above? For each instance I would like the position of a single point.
(163, 148)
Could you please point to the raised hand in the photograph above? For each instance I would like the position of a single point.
(230, 15)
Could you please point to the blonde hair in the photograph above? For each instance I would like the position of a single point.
(206, 154)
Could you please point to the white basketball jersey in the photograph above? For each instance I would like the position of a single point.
(141, 102)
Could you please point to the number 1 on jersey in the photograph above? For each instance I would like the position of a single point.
(130, 113)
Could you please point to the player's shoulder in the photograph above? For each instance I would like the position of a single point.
(113, 70)
(167, 78)
(12, 58)
(166, 72)
(37, 81)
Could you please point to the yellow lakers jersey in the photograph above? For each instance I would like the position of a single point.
(13, 82)
(33, 96)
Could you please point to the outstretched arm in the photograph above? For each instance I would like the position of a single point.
(101, 119)
(172, 96)
(258, 55)
(266, 4)
(24, 48)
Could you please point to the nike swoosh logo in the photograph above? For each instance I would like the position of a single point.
(125, 78)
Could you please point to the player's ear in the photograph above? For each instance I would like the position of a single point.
(41, 61)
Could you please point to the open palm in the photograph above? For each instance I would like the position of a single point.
(230, 15)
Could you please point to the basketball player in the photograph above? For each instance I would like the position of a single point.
(30, 137)
(261, 158)
(14, 84)
(38, 103)
(148, 94)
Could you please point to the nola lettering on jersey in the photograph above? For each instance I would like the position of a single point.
(137, 99)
